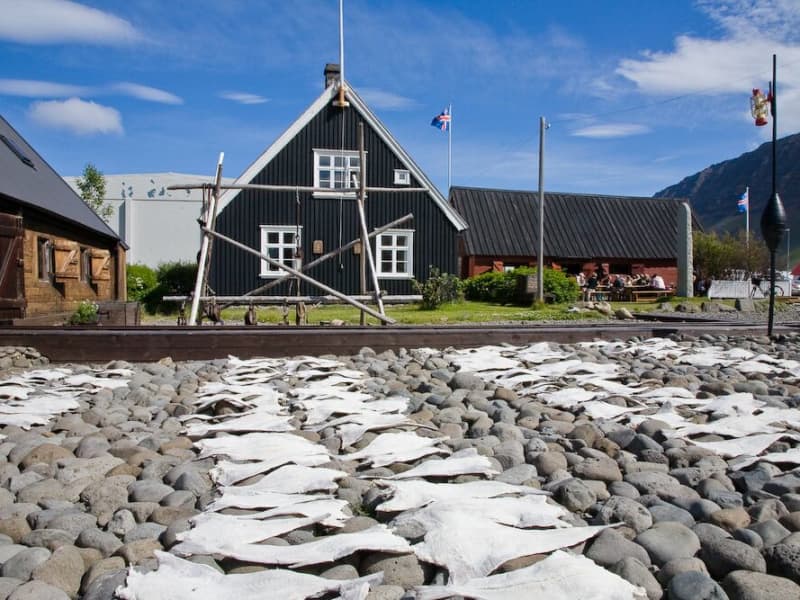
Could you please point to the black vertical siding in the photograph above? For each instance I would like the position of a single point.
(235, 272)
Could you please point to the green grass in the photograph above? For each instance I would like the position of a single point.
(410, 314)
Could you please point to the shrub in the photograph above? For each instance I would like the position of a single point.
(502, 287)
(85, 313)
(141, 279)
(438, 289)
(174, 279)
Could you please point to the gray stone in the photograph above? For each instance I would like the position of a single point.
(707, 533)
(101, 567)
(517, 475)
(179, 498)
(625, 510)
(340, 572)
(22, 564)
(38, 590)
(783, 560)
(193, 481)
(670, 512)
(48, 538)
(8, 585)
(770, 531)
(623, 488)
(122, 522)
(147, 490)
(636, 573)
(600, 469)
(693, 585)
(652, 482)
(386, 592)
(547, 463)
(108, 495)
(144, 531)
(747, 585)
(723, 556)
(107, 543)
(679, 565)
(668, 540)
(610, 547)
(574, 495)
(104, 586)
(73, 523)
(9, 550)
(749, 537)
(403, 570)
(466, 381)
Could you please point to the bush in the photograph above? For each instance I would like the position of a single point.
(84, 314)
(174, 279)
(141, 279)
(438, 289)
(502, 286)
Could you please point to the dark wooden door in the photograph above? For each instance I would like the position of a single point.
(12, 294)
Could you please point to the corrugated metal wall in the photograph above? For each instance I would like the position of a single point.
(330, 220)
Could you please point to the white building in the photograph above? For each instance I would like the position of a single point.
(159, 225)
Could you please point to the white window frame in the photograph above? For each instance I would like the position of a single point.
(350, 181)
(402, 177)
(387, 242)
(285, 249)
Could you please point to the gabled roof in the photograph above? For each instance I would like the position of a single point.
(580, 226)
(35, 183)
(372, 121)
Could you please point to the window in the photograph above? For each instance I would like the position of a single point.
(86, 265)
(402, 177)
(394, 255)
(280, 243)
(335, 169)
(18, 151)
(44, 254)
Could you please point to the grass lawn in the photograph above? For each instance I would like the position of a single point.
(410, 314)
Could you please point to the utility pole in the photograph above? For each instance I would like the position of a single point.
(540, 254)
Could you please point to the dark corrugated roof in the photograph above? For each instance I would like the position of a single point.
(40, 186)
(505, 223)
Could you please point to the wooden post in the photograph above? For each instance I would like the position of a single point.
(362, 184)
(365, 247)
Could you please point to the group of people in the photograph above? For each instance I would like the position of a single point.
(617, 283)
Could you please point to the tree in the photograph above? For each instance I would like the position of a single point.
(92, 185)
(728, 257)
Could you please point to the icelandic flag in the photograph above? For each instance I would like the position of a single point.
(442, 120)
(743, 204)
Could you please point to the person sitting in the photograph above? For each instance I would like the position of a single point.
(657, 282)
(591, 286)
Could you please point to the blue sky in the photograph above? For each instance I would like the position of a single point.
(639, 93)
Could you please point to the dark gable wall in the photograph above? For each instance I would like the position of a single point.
(235, 272)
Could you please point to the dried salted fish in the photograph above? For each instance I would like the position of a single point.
(561, 575)
(255, 446)
(466, 461)
(418, 492)
(244, 423)
(293, 479)
(228, 473)
(388, 448)
(232, 498)
(178, 579)
(744, 446)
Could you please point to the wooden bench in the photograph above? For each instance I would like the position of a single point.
(649, 295)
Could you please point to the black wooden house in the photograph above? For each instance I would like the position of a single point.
(320, 150)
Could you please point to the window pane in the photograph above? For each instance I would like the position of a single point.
(402, 241)
(339, 179)
(386, 267)
(288, 238)
(354, 162)
(338, 161)
(272, 237)
(401, 256)
(386, 255)
(324, 161)
(273, 253)
(401, 267)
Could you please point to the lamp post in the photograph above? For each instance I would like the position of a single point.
(788, 245)
(540, 252)
(773, 219)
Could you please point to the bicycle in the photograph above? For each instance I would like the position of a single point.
(762, 286)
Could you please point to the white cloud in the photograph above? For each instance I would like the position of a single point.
(76, 115)
(243, 97)
(611, 130)
(143, 92)
(62, 21)
(30, 88)
(385, 100)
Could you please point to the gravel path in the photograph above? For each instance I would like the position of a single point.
(660, 468)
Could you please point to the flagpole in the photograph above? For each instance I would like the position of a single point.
(449, 147)
(747, 216)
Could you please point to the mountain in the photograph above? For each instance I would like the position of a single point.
(713, 192)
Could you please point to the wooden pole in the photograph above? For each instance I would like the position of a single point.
(294, 188)
(366, 248)
(303, 276)
(362, 184)
(210, 219)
